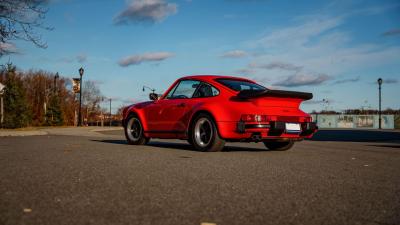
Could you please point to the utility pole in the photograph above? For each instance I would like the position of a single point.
(380, 102)
(110, 112)
(102, 118)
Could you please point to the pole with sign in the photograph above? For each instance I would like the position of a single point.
(76, 87)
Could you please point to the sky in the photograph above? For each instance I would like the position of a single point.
(335, 49)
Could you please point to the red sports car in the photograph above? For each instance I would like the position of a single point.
(210, 110)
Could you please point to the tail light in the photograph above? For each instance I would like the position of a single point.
(305, 119)
(257, 118)
(265, 118)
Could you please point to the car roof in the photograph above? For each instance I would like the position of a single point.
(211, 78)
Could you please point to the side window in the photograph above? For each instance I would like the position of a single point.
(172, 91)
(184, 89)
(206, 90)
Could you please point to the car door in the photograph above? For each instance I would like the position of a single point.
(168, 115)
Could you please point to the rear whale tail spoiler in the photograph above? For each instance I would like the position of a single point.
(247, 94)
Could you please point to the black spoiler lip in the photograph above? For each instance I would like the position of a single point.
(247, 94)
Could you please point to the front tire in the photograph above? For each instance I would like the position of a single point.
(279, 145)
(204, 134)
(134, 132)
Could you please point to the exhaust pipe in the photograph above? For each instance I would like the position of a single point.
(256, 137)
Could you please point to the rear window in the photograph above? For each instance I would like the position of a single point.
(240, 85)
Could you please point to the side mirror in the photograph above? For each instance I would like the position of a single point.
(153, 96)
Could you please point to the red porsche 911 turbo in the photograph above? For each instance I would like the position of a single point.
(210, 110)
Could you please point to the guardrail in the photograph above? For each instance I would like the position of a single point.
(355, 121)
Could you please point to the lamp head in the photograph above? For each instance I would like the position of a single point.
(81, 70)
(380, 81)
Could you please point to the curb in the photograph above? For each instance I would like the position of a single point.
(21, 133)
(106, 129)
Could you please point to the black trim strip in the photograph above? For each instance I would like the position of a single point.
(246, 94)
(255, 126)
(165, 131)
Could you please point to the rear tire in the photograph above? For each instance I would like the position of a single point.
(204, 134)
(279, 145)
(134, 132)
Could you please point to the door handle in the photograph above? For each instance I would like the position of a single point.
(181, 105)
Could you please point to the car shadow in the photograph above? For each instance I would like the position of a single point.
(184, 146)
(119, 142)
(180, 146)
(386, 146)
(356, 136)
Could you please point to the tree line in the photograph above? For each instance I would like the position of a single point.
(41, 98)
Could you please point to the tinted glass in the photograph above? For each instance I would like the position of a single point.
(240, 85)
(185, 89)
(205, 90)
(172, 91)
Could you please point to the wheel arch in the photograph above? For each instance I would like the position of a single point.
(194, 116)
(139, 114)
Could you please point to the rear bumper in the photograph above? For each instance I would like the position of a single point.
(272, 130)
(277, 128)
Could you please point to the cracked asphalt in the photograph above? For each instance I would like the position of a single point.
(99, 179)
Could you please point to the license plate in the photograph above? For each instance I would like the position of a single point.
(292, 127)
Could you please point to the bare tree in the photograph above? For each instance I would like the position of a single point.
(91, 99)
(18, 21)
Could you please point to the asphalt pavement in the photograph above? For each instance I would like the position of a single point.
(100, 179)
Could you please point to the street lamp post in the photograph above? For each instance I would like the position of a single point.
(1, 104)
(81, 71)
(380, 81)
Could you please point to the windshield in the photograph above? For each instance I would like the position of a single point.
(240, 85)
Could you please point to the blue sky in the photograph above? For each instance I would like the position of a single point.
(335, 49)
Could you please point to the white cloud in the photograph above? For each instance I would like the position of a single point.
(146, 57)
(299, 35)
(349, 80)
(392, 32)
(297, 80)
(245, 71)
(234, 54)
(276, 65)
(81, 58)
(316, 45)
(146, 11)
(391, 81)
(7, 48)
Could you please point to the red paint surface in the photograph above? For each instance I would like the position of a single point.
(171, 118)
